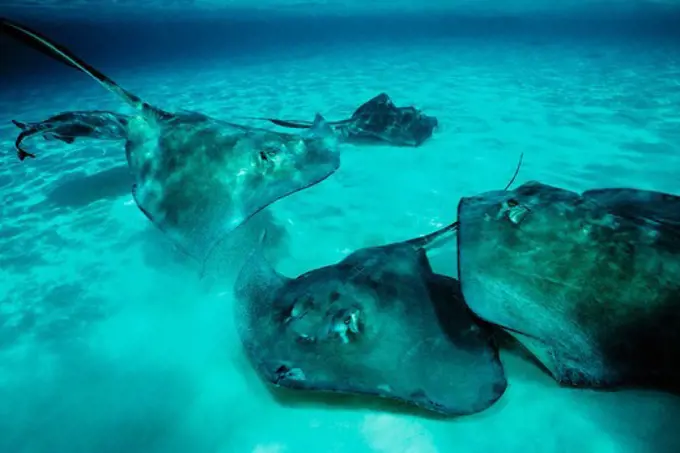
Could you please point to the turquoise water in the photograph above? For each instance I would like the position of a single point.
(109, 341)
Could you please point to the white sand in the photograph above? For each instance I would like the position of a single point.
(110, 343)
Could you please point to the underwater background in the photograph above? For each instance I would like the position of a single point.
(110, 341)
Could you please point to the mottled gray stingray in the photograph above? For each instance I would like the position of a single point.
(198, 178)
(377, 120)
(68, 126)
(380, 322)
(589, 283)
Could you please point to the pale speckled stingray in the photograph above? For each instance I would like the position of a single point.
(590, 283)
(198, 178)
(380, 322)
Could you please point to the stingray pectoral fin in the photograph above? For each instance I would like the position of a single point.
(139, 205)
(68, 140)
(63, 55)
(661, 208)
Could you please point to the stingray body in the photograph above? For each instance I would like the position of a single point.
(198, 178)
(68, 126)
(378, 120)
(590, 283)
(380, 322)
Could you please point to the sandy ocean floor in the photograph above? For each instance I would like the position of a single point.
(109, 342)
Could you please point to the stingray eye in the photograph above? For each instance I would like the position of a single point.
(516, 212)
(353, 320)
(268, 153)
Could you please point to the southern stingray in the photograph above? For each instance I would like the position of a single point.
(198, 178)
(377, 120)
(380, 322)
(68, 126)
(589, 283)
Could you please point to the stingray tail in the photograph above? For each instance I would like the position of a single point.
(21, 153)
(293, 124)
(54, 50)
(31, 130)
(20, 125)
(430, 240)
(514, 176)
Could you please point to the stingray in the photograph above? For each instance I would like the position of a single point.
(377, 120)
(380, 322)
(67, 126)
(198, 178)
(589, 283)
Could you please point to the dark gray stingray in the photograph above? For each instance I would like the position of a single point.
(589, 283)
(67, 126)
(378, 120)
(198, 178)
(380, 322)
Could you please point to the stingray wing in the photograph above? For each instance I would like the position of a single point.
(378, 104)
(657, 207)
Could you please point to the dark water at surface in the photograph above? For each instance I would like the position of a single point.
(122, 41)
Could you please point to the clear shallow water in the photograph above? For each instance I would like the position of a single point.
(109, 342)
